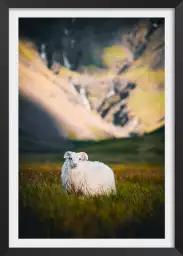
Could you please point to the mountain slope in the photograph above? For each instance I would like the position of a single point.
(126, 95)
(136, 81)
(42, 91)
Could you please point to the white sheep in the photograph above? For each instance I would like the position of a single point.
(80, 176)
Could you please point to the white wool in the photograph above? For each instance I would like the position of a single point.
(87, 177)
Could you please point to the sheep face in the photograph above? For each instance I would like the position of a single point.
(75, 158)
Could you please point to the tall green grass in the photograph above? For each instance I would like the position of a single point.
(135, 211)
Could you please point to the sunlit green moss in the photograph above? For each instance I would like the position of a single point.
(25, 52)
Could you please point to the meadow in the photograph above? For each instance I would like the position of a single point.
(135, 211)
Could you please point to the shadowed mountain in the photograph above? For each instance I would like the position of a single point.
(38, 131)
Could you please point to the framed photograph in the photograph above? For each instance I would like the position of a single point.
(91, 129)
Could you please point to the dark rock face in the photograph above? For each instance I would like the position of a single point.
(79, 39)
(124, 95)
(133, 134)
(131, 86)
(120, 118)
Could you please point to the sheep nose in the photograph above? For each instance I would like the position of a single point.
(74, 164)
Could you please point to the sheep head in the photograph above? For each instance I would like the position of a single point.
(74, 158)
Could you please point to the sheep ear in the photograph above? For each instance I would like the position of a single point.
(67, 154)
(84, 156)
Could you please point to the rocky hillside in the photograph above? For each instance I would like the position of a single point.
(138, 87)
(124, 96)
(50, 109)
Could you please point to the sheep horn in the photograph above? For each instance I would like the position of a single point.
(84, 156)
(67, 154)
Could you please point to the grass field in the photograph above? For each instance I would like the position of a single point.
(136, 211)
